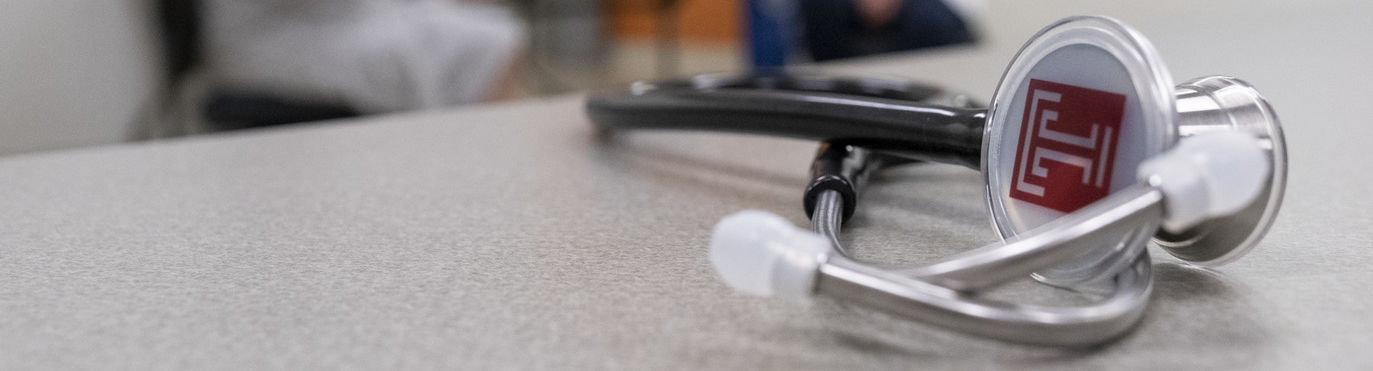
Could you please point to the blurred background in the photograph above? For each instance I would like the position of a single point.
(81, 73)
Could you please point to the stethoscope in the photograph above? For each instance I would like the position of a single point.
(1088, 151)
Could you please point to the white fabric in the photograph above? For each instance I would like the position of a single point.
(373, 55)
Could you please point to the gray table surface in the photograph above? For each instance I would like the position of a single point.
(512, 236)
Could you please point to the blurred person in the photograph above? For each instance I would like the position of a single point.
(837, 29)
(371, 56)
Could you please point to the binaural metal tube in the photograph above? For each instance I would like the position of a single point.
(846, 279)
(1087, 231)
(941, 293)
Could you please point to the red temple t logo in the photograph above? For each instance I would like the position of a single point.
(1068, 141)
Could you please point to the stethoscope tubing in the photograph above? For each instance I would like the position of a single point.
(910, 129)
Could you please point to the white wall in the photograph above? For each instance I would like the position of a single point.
(74, 72)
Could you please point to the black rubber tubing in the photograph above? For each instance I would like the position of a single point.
(904, 128)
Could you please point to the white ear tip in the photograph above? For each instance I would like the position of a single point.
(1208, 175)
(1237, 168)
(739, 250)
(760, 253)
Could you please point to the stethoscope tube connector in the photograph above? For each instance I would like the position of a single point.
(841, 168)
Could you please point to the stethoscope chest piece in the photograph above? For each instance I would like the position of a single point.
(1082, 105)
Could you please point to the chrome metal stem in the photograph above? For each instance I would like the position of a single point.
(1093, 232)
(1214, 103)
(828, 218)
(846, 279)
(941, 294)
